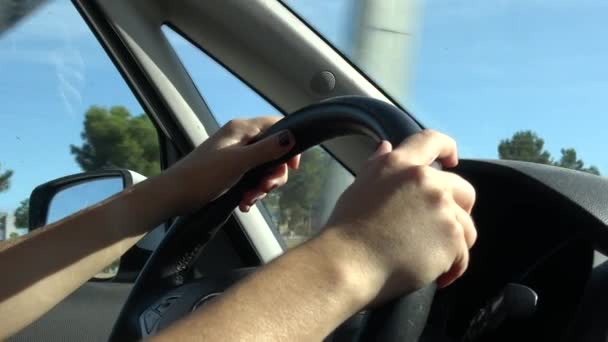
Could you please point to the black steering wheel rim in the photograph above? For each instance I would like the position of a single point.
(170, 265)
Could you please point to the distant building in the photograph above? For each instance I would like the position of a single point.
(3, 219)
(7, 227)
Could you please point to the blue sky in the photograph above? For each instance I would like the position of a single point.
(482, 70)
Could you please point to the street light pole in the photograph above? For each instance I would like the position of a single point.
(384, 41)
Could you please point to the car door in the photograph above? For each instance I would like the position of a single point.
(66, 109)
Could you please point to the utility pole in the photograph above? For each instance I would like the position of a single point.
(384, 42)
(383, 45)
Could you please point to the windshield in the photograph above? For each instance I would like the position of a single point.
(65, 108)
(514, 79)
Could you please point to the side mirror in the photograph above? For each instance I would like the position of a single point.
(62, 197)
(59, 198)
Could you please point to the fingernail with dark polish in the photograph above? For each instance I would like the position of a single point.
(284, 138)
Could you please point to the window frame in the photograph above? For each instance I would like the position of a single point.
(179, 141)
(205, 54)
(137, 25)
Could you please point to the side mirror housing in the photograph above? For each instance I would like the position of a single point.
(59, 198)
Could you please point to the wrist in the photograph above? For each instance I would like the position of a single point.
(183, 192)
(354, 267)
(168, 193)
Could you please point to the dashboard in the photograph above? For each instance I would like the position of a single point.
(537, 234)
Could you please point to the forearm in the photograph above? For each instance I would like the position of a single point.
(45, 266)
(301, 296)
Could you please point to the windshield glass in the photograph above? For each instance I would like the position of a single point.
(514, 79)
(65, 107)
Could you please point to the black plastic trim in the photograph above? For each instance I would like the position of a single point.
(241, 243)
(144, 90)
(352, 64)
(183, 35)
(587, 193)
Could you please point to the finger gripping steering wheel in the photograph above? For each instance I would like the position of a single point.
(170, 266)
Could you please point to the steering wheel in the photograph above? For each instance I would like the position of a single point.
(166, 289)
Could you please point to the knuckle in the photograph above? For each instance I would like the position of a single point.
(472, 192)
(429, 133)
(451, 141)
(467, 259)
(473, 233)
(433, 134)
(454, 234)
(393, 160)
(452, 228)
(438, 196)
(234, 124)
(420, 175)
(464, 262)
(468, 188)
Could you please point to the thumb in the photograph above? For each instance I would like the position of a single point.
(269, 148)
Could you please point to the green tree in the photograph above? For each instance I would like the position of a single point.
(524, 146)
(113, 138)
(22, 217)
(528, 146)
(569, 160)
(5, 179)
(292, 206)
